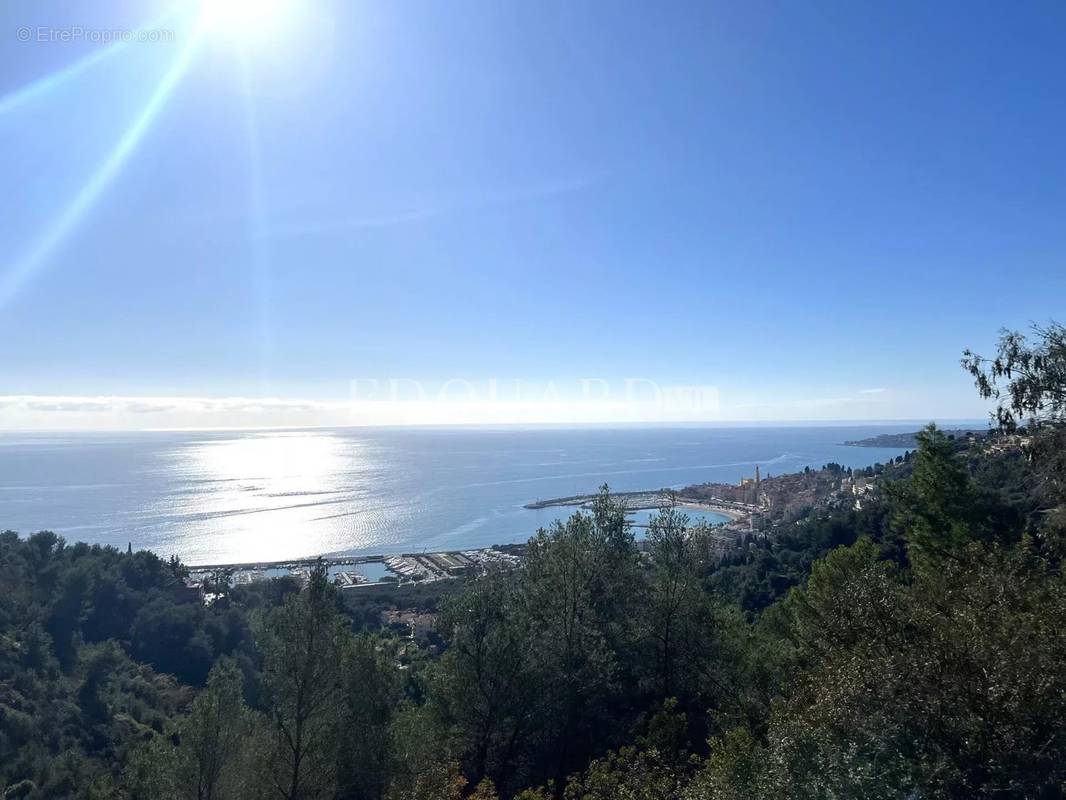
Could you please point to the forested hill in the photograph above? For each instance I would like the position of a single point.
(910, 440)
(910, 647)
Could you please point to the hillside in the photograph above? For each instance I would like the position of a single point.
(910, 440)
(904, 641)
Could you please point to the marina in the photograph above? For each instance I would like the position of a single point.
(354, 571)
(349, 572)
(651, 503)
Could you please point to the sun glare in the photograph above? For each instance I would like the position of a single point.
(248, 20)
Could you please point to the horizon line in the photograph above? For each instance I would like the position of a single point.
(755, 423)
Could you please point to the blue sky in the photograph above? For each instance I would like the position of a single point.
(812, 208)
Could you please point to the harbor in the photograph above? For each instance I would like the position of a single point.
(735, 511)
(729, 517)
(350, 572)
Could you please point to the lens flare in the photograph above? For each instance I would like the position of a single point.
(23, 270)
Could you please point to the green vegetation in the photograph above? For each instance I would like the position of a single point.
(909, 440)
(910, 647)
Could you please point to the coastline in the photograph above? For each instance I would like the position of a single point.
(647, 500)
(210, 504)
(734, 514)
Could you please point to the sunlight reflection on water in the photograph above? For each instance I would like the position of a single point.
(266, 492)
(236, 496)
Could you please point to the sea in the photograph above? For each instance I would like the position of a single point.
(268, 495)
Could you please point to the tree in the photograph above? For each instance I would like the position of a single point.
(579, 594)
(486, 690)
(170, 637)
(68, 612)
(302, 644)
(1035, 376)
(424, 763)
(678, 620)
(441, 781)
(370, 695)
(940, 509)
(207, 761)
(656, 766)
(919, 685)
(732, 770)
(1035, 393)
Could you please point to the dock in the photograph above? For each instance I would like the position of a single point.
(415, 567)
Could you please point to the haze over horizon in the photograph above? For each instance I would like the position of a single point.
(276, 212)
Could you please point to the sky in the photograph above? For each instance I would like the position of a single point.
(318, 212)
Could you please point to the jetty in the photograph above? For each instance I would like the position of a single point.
(631, 500)
(664, 498)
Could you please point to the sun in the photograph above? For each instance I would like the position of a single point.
(248, 21)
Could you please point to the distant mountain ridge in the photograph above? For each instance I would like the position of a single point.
(908, 440)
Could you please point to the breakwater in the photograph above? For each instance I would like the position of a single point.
(636, 501)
